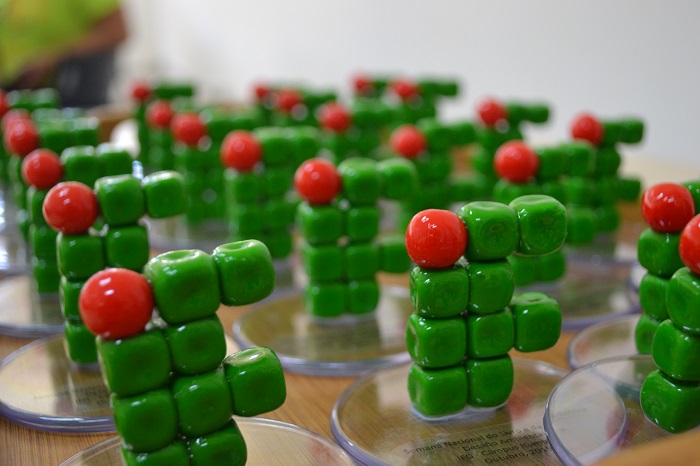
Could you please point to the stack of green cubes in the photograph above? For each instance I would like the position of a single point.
(303, 114)
(466, 318)
(424, 104)
(342, 250)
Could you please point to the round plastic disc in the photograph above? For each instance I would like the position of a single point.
(594, 411)
(373, 420)
(25, 313)
(268, 443)
(612, 338)
(332, 347)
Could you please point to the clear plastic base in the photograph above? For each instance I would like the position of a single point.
(13, 252)
(175, 233)
(608, 339)
(25, 313)
(373, 420)
(594, 412)
(41, 388)
(604, 249)
(333, 347)
(268, 442)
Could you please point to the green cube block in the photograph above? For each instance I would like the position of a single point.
(305, 142)
(165, 194)
(80, 343)
(69, 295)
(552, 266)
(467, 187)
(607, 218)
(493, 230)
(79, 256)
(438, 135)
(146, 422)
(393, 257)
(606, 162)
(362, 296)
(225, 446)
(256, 381)
(276, 146)
(203, 402)
(277, 215)
(676, 353)
(246, 219)
(490, 335)
(439, 293)
(658, 252)
(674, 406)
(42, 240)
(121, 199)
(552, 163)
(196, 347)
(360, 261)
(35, 204)
(46, 275)
(127, 247)
(245, 272)
(322, 263)
(505, 192)
(362, 223)
(242, 187)
(526, 269)
(542, 222)
(319, 224)
(555, 189)
(279, 244)
(463, 132)
(54, 137)
(276, 181)
(436, 343)
(490, 381)
(361, 180)
(579, 190)
(629, 189)
(399, 179)
(434, 167)
(81, 164)
(538, 321)
(175, 454)
(683, 300)
(114, 160)
(136, 364)
(325, 299)
(185, 285)
(644, 333)
(652, 296)
(582, 225)
(438, 392)
(491, 286)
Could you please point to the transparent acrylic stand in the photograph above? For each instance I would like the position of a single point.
(175, 233)
(594, 412)
(41, 388)
(24, 312)
(268, 443)
(612, 338)
(373, 420)
(333, 347)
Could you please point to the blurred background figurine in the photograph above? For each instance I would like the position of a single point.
(65, 44)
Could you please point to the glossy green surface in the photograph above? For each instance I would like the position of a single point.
(607, 218)
(552, 163)
(360, 261)
(606, 162)
(121, 199)
(438, 392)
(490, 335)
(46, 275)
(278, 215)
(683, 300)
(245, 271)
(277, 181)
(256, 381)
(319, 224)
(224, 447)
(525, 269)
(146, 422)
(80, 343)
(362, 223)
(242, 187)
(491, 286)
(652, 296)
(165, 194)
(114, 160)
(196, 347)
(490, 381)
(676, 353)
(325, 299)
(35, 203)
(393, 257)
(436, 343)
(127, 247)
(69, 293)
(438, 135)
(203, 402)
(542, 221)
(579, 190)
(245, 220)
(81, 164)
(362, 296)
(673, 406)
(694, 188)
(439, 293)
(552, 266)
(175, 454)
(582, 225)
(505, 192)
(433, 167)
(492, 230)
(658, 252)
(275, 146)
(185, 285)
(322, 263)
(42, 239)
(360, 180)
(644, 333)
(79, 256)
(399, 178)
(538, 321)
(279, 244)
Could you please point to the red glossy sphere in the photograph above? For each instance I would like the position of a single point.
(404, 89)
(71, 208)
(140, 91)
(188, 128)
(334, 117)
(689, 247)
(587, 128)
(4, 106)
(241, 150)
(159, 114)
(516, 162)
(363, 85)
(491, 111)
(287, 99)
(14, 115)
(408, 141)
(42, 168)
(667, 207)
(116, 303)
(436, 239)
(317, 181)
(21, 136)
(261, 91)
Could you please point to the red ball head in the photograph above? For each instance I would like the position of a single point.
(404, 89)
(159, 114)
(363, 85)
(116, 303)
(287, 99)
(491, 112)
(408, 141)
(188, 128)
(261, 91)
(21, 136)
(667, 207)
(12, 116)
(241, 150)
(436, 239)
(42, 169)
(70, 208)
(317, 181)
(689, 247)
(334, 117)
(587, 128)
(140, 91)
(516, 162)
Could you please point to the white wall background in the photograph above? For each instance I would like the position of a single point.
(613, 58)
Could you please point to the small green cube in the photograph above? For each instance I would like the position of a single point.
(606, 162)
(80, 163)
(658, 252)
(538, 321)
(683, 300)
(490, 335)
(242, 187)
(79, 256)
(362, 223)
(147, 421)
(652, 296)
(491, 286)
(127, 247)
(246, 219)
(439, 293)
(438, 392)
(165, 194)
(579, 190)
(542, 221)
(490, 381)
(80, 343)
(322, 263)
(46, 275)
(505, 192)
(196, 347)
(42, 239)
(320, 224)
(361, 180)
(362, 296)
(676, 353)
(436, 343)
(674, 406)
(582, 225)
(393, 257)
(526, 269)
(360, 261)
(325, 299)
(493, 230)
(203, 402)
(552, 266)
(256, 381)
(121, 199)
(552, 163)
(69, 295)
(644, 333)
(225, 446)
(399, 179)
(607, 218)
(35, 205)
(245, 271)
(114, 160)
